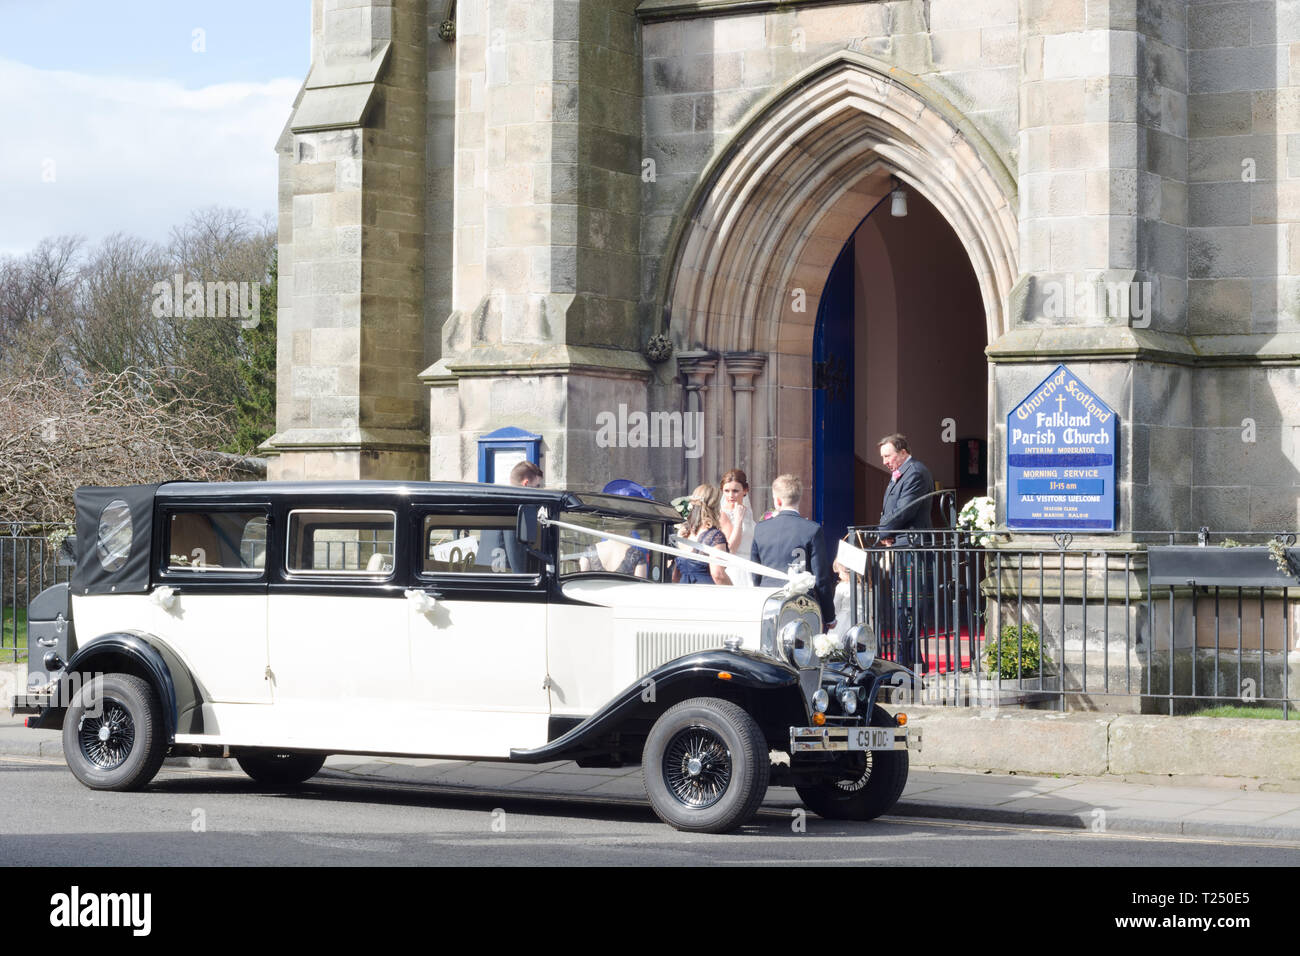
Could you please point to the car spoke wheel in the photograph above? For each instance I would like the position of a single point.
(870, 782)
(107, 740)
(697, 767)
(706, 766)
(114, 737)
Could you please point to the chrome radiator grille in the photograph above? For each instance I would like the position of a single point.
(654, 648)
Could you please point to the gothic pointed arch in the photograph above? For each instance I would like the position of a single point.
(747, 262)
(773, 209)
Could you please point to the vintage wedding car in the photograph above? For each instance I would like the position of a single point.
(281, 622)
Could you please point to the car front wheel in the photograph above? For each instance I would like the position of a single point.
(706, 766)
(113, 736)
(870, 784)
(279, 769)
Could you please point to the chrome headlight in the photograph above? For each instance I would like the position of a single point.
(821, 700)
(796, 643)
(848, 697)
(862, 645)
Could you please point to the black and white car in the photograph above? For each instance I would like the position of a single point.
(281, 622)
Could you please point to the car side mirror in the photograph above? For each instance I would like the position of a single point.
(527, 527)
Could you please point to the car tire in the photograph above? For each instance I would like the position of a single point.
(705, 766)
(279, 768)
(113, 733)
(878, 783)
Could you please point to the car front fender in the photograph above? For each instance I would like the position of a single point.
(696, 675)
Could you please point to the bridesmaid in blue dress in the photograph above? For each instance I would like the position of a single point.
(702, 525)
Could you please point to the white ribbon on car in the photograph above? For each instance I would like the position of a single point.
(799, 583)
(164, 597)
(421, 601)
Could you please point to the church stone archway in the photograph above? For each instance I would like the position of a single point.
(767, 222)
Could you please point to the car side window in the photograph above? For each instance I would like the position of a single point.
(341, 542)
(216, 541)
(474, 544)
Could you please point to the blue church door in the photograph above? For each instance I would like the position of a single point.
(833, 405)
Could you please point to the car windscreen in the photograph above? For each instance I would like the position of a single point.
(599, 550)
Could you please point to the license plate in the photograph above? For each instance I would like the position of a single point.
(821, 739)
(871, 738)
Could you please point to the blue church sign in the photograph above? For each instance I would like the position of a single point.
(1061, 458)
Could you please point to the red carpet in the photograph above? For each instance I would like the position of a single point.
(947, 651)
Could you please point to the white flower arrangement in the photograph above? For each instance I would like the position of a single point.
(828, 646)
(979, 514)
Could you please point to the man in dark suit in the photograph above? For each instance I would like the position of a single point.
(907, 508)
(789, 541)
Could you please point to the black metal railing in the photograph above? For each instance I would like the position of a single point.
(1087, 625)
(29, 563)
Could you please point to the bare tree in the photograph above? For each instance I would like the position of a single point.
(219, 245)
(57, 434)
(37, 294)
(85, 332)
(113, 327)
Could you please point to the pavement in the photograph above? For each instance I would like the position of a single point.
(1222, 808)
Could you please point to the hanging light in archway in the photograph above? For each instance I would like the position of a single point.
(898, 200)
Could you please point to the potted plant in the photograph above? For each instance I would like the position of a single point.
(1017, 653)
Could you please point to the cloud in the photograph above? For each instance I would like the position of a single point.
(131, 155)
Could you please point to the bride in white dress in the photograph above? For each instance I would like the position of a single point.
(736, 519)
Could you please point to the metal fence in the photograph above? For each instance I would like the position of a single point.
(1061, 626)
(1109, 626)
(28, 565)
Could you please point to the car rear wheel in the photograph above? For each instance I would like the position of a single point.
(279, 768)
(113, 737)
(706, 766)
(870, 784)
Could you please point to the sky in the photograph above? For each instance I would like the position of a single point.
(126, 115)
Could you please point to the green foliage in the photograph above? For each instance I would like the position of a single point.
(1017, 653)
(13, 633)
(1259, 711)
(255, 403)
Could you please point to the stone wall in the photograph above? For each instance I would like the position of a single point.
(545, 215)
(352, 241)
(1244, 262)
